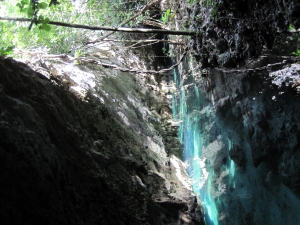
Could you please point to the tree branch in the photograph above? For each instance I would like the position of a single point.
(146, 41)
(124, 69)
(115, 29)
(141, 42)
(71, 59)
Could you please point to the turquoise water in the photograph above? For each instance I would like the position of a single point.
(229, 194)
(188, 106)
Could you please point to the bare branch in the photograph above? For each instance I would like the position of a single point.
(145, 41)
(144, 45)
(124, 69)
(115, 29)
(140, 42)
(70, 59)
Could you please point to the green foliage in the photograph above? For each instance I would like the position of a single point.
(192, 1)
(30, 6)
(166, 15)
(297, 53)
(22, 5)
(210, 2)
(43, 21)
(79, 53)
(4, 51)
(55, 39)
(40, 36)
(31, 9)
(25, 6)
(42, 5)
(6, 39)
(291, 27)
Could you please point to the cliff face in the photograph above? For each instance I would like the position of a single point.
(83, 145)
(231, 31)
(239, 104)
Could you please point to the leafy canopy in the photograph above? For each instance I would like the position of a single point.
(57, 40)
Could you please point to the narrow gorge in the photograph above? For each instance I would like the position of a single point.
(194, 130)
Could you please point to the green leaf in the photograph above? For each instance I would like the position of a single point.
(22, 4)
(19, 5)
(296, 53)
(42, 5)
(291, 27)
(30, 12)
(46, 20)
(45, 27)
(4, 51)
(24, 10)
(41, 18)
(165, 17)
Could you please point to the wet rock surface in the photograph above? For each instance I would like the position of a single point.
(243, 126)
(67, 159)
(238, 103)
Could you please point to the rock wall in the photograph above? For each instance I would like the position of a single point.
(83, 145)
(230, 31)
(240, 129)
(238, 103)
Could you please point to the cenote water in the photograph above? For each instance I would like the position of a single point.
(189, 107)
(224, 191)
